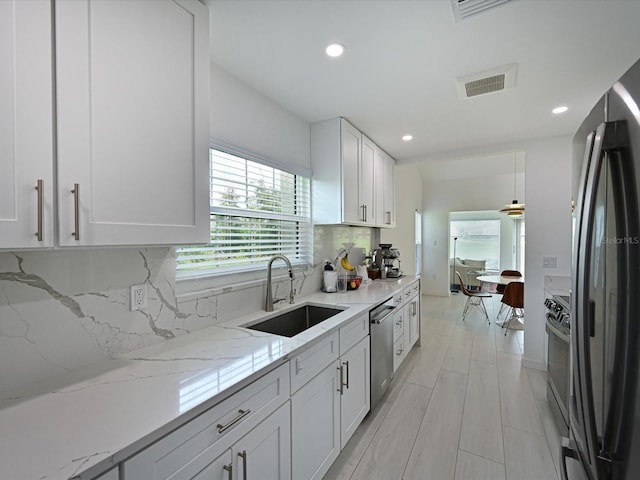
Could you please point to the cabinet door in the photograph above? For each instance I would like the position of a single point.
(415, 321)
(265, 452)
(351, 152)
(26, 124)
(110, 475)
(132, 82)
(355, 401)
(411, 323)
(221, 468)
(389, 194)
(315, 425)
(366, 183)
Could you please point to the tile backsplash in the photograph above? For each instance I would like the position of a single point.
(64, 309)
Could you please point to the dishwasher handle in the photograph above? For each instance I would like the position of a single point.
(381, 313)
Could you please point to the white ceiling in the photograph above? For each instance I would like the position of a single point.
(397, 74)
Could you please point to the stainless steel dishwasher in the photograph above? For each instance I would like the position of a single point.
(381, 331)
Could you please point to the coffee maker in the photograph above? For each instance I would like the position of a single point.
(387, 259)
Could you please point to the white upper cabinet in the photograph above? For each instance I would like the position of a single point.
(386, 198)
(132, 82)
(350, 149)
(346, 187)
(366, 185)
(26, 125)
(131, 122)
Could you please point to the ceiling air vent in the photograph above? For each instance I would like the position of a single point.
(463, 9)
(489, 81)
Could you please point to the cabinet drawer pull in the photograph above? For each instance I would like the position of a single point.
(364, 212)
(298, 366)
(76, 210)
(40, 189)
(388, 215)
(347, 365)
(229, 468)
(341, 384)
(243, 456)
(241, 415)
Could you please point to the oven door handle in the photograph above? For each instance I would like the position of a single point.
(562, 336)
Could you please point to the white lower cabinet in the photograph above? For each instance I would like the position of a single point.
(254, 422)
(327, 409)
(265, 452)
(315, 425)
(355, 399)
(411, 323)
(110, 475)
(398, 338)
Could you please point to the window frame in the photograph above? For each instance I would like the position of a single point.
(250, 274)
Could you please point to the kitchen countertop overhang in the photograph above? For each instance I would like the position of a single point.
(80, 424)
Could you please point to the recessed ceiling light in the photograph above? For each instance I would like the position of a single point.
(407, 138)
(559, 110)
(335, 50)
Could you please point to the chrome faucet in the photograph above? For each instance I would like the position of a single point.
(269, 301)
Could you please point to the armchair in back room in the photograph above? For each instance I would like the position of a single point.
(465, 266)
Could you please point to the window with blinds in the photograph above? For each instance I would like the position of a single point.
(257, 212)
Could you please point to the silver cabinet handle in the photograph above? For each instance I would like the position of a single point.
(341, 380)
(241, 414)
(347, 365)
(76, 210)
(229, 468)
(388, 215)
(364, 212)
(298, 366)
(40, 190)
(243, 456)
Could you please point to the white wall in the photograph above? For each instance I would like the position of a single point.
(548, 223)
(548, 232)
(439, 199)
(245, 118)
(408, 188)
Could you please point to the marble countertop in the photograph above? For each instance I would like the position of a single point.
(79, 424)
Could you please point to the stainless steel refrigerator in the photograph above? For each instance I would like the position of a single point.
(604, 405)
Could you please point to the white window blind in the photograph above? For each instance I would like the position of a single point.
(257, 211)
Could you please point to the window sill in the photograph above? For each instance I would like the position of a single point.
(194, 288)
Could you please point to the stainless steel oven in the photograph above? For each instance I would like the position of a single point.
(558, 359)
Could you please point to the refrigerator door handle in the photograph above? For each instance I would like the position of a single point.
(580, 346)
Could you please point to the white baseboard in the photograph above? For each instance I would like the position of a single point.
(535, 364)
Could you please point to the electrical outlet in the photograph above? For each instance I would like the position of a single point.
(138, 297)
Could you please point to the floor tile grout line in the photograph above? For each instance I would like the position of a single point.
(413, 445)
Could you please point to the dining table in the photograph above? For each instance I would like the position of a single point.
(502, 280)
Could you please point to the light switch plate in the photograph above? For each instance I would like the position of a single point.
(549, 262)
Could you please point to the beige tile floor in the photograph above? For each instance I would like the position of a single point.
(460, 407)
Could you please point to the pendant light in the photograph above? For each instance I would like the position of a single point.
(514, 209)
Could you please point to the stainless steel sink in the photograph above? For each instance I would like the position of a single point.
(291, 323)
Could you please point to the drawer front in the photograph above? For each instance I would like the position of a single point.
(313, 360)
(353, 332)
(185, 452)
(398, 324)
(410, 291)
(398, 353)
(398, 299)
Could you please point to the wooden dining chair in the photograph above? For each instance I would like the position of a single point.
(474, 299)
(513, 297)
(500, 288)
